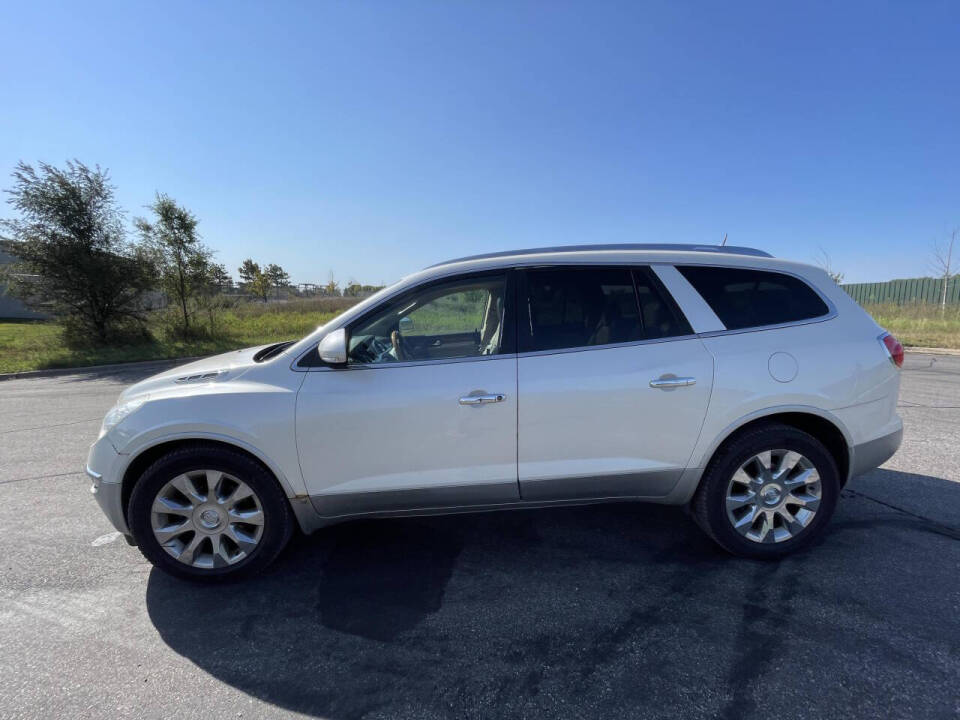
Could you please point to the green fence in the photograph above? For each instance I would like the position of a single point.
(904, 292)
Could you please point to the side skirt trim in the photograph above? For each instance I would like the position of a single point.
(329, 509)
(333, 505)
(656, 483)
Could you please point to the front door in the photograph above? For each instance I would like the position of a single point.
(613, 385)
(424, 414)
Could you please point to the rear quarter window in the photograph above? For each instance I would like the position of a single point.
(744, 298)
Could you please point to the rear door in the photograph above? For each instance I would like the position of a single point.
(613, 385)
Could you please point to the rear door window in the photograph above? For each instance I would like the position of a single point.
(745, 298)
(589, 306)
(660, 316)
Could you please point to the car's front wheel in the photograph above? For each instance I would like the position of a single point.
(209, 513)
(768, 492)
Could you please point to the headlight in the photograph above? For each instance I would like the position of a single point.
(118, 413)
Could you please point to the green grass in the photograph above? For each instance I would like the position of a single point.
(920, 325)
(33, 345)
(460, 312)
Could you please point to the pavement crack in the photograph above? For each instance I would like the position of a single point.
(39, 477)
(928, 407)
(763, 631)
(935, 526)
(46, 427)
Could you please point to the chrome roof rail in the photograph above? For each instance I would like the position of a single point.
(730, 249)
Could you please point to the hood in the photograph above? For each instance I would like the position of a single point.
(217, 368)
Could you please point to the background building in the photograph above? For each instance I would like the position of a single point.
(11, 307)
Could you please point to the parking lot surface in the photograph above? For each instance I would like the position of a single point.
(605, 611)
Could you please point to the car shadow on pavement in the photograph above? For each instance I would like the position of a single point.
(610, 610)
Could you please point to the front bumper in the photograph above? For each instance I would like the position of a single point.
(103, 467)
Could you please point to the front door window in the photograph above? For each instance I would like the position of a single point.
(460, 319)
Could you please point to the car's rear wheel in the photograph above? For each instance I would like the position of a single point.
(768, 492)
(208, 513)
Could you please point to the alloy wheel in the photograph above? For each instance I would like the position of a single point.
(773, 496)
(207, 519)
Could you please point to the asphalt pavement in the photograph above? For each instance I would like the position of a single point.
(610, 611)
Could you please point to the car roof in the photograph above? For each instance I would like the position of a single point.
(621, 247)
(625, 254)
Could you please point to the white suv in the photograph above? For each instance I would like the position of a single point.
(749, 388)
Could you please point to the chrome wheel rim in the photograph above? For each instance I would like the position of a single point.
(207, 519)
(773, 496)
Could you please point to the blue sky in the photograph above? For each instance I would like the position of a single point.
(373, 138)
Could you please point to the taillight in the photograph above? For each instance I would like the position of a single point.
(894, 349)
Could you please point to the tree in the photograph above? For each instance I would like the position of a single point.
(943, 264)
(248, 270)
(182, 261)
(332, 288)
(220, 278)
(72, 252)
(278, 276)
(260, 286)
(825, 264)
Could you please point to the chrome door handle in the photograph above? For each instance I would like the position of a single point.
(482, 399)
(665, 383)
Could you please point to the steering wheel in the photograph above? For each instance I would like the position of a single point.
(399, 347)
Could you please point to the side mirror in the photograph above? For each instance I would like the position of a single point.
(333, 347)
(405, 325)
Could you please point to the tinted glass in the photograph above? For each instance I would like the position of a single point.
(658, 314)
(752, 298)
(458, 319)
(578, 307)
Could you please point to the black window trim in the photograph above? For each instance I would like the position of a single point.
(829, 315)
(657, 283)
(516, 280)
(633, 268)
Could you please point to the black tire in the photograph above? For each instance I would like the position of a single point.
(709, 502)
(278, 518)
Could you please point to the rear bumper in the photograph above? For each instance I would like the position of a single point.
(871, 454)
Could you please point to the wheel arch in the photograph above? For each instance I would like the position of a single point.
(821, 425)
(147, 455)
